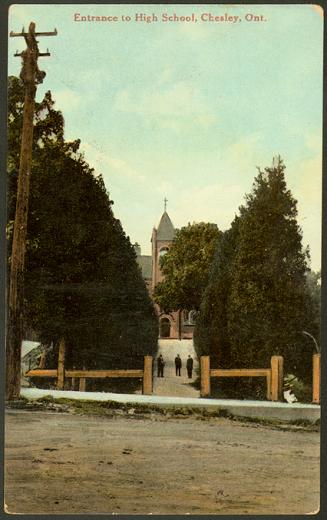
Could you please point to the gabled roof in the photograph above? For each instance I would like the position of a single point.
(166, 230)
(28, 346)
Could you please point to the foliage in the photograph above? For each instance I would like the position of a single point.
(313, 280)
(82, 281)
(259, 308)
(186, 267)
(211, 334)
(301, 390)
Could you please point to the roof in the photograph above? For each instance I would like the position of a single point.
(166, 230)
(145, 262)
(28, 346)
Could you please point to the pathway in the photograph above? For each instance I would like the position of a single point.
(170, 384)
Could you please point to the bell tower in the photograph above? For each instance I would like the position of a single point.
(161, 241)
(162, 238)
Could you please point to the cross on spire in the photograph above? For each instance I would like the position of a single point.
(165, 202)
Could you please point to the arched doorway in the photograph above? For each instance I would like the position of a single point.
(165, 328)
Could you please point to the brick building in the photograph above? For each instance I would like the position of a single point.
(175, 325)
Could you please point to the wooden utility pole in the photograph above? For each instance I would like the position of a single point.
(31, 76)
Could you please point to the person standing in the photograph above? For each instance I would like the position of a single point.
(178, 365)
(160, 365)
(189, 366)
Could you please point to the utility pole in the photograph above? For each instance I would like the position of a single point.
(31, 77)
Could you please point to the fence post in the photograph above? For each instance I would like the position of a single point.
(316, 378)
(205, 376)
(277, 376)
(82, 384)
(42, 361)
(73, 382)
(147, 376)
(268, 380)
(61, 365)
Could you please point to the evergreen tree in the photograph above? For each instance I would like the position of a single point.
(211, 329)
(258, 300)
(269, 301)
(82, 281)
(314, 287)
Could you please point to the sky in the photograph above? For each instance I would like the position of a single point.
(187, 109)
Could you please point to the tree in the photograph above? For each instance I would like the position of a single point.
(269, 302)
(257, 302)
(82, 279)
(314, 287)
(186, 267)
(211, 330)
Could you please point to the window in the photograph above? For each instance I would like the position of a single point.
(189, 317)
(163, 251)
(164, 328)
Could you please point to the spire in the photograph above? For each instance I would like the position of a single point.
(166, 230)
(165, 203)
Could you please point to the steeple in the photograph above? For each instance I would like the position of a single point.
(166, 230)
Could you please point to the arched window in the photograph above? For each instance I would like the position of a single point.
(189, 317)
(164, 328)
(163, 251)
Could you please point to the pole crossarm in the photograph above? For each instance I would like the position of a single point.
(30, 73)
(52, 33)
(21, 55)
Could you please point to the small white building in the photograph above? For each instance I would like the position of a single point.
(33, 355)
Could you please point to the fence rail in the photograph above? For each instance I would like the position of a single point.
(273, 375)
(240, 372)
(104, 373)
(38, 372)
(82, 375)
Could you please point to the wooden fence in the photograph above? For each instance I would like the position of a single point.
(61, 375)
(273, 375)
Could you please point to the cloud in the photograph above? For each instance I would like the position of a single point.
(313, 142)
(198, 31)
(172, 106)
(165, 188)
(238, 160)
(67, 100)
(166, 75)
(245, 151)
(217, 203)
(306, 174)
(308, 193)
(179, 99)
(102, 161)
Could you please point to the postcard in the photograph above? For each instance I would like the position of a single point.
(164, 187)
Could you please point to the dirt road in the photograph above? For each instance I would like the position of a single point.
(64, 463)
